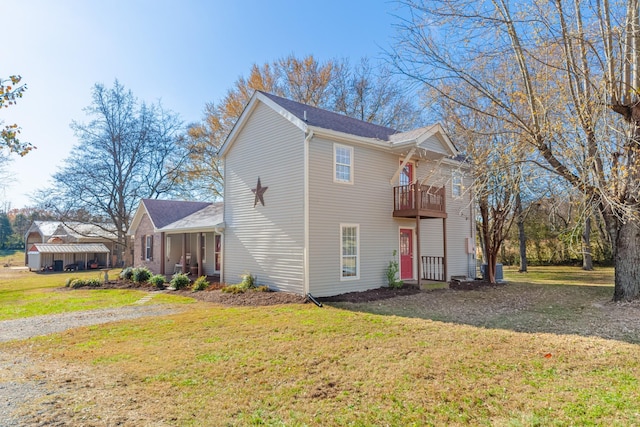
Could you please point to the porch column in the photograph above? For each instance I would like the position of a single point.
(199, 253)
(444, 245)
(418, 251)
(163, 257)
(184, 253)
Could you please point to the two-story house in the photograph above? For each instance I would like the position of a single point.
(317, 202)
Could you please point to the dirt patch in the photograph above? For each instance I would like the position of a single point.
(371, 295)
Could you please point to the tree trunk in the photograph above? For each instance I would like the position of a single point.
(627, 262)
(521, 235)
(587, 261)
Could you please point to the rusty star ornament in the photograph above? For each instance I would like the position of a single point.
(259, 192)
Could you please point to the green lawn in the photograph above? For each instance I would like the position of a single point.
(304, 365)
(25, 294)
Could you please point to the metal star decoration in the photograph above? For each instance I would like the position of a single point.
(259, 192)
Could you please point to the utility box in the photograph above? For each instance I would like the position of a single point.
(484, 270)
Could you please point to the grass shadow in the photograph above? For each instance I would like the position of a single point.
(583, 310)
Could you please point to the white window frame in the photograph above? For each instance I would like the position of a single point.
(357, 254)
(336, 164)
(457, 184)
(148, 247)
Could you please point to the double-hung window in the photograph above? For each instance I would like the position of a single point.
(456, 184)
(343, 163)
(149, 248)
(349, 251)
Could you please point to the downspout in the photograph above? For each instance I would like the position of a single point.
(305, 255)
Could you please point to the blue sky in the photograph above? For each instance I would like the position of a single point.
(184, 53)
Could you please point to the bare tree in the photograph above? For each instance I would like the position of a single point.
(128, 151)
(364, 92)
(574, 65)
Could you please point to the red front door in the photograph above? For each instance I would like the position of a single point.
(406, 253)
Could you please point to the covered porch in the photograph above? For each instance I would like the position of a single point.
(196, 253)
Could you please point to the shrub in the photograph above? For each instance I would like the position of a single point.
(200, 284)
(126, 273)
(248, 283)
(141, 274)
(69, 280)
(392, 273)
(234, 289)
(94, 283)
(180, 280)
(157, 281)
(263, 288)
(80, 283)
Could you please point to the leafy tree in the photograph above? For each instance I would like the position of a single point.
(10, 91)
(364, 92)
(553, 74)
(5, 231)
(127, 151)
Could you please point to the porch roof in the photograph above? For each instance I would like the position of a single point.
(208, 219)
(68, 248)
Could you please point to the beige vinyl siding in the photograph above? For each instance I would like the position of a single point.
(367, 203)
(459, 222)
(433, 143)
(266, 241)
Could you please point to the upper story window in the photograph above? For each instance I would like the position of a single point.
(457, 186)
(343, 163)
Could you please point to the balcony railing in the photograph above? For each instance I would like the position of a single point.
(433, 268)
(415, 200)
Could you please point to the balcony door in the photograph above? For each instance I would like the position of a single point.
(406, 253)
(406, 178)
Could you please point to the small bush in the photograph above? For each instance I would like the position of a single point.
(141, 274)
(234, 289)
(157, 281)
(200, 284)
(94, 283)
(248, 281)
(126, 273)
(180, 281)
(81, 283)
(392, 273)
(69, 280)
(263, 288)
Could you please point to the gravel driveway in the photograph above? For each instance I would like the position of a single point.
(18, 384)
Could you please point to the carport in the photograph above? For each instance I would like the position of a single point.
(61, 256)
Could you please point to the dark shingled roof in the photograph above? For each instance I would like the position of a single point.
(329, 120)
(165, 212)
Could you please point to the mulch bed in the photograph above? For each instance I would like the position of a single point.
(215, 295)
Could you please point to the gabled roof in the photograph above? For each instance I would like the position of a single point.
(316, 120)
(324, 119)
(174, 215)
(164, 212)
(209, 217)
(77, 230)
